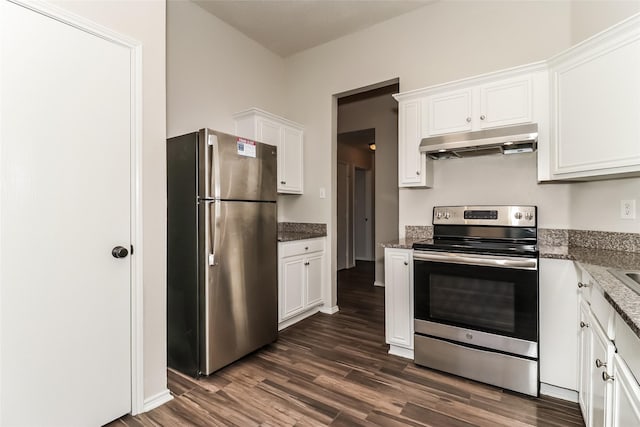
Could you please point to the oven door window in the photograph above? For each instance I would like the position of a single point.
(491, 299)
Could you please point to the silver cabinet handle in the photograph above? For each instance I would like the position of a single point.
(481, 260)
(468, 119)
(583, 285)
(600, 364)
(482, 117)
(607, 377)
(583, 324)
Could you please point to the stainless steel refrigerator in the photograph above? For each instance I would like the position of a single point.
(222, 273)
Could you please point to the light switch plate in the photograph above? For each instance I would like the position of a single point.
(627, 209)
(323, 193)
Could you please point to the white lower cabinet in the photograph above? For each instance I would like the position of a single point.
(625, 395)
(398, 301)
(300, 279)
(558, 329)
(609, 393)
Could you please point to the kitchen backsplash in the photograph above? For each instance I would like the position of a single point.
(628, 242)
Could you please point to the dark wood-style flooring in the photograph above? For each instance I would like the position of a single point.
(335, 370)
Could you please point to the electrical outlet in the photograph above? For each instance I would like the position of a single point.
(627, 209)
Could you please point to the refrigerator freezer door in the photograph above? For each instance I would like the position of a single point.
(241, 288)
(234, 168)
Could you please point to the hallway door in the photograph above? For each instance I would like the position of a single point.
(65, 204)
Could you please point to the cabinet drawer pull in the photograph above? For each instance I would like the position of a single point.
(406, 263)
(306, 263)
(282, 182)
(583, 285)
(482, 117)
(583, 324)
(599, 364)
(418, 173)
(607, 377)
(468, 119)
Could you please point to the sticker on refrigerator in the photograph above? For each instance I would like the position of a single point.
(246, 147)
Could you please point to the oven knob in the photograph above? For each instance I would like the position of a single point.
(447, 215)
(528, 216)
(518, 215)
(438, 215)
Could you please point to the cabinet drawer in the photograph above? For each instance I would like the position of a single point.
(603, 312)
(301, 247)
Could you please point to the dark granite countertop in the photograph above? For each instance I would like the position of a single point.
(290, 231)
(288, 236)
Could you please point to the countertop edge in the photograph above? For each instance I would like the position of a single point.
(294, 236)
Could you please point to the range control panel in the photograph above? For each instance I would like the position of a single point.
(510, 216)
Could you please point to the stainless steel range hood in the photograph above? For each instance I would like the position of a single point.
(505, 140)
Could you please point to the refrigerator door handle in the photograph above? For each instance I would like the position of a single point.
(214, 166)
(214, 218)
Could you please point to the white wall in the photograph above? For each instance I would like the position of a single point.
(214, 71)
(589, 17)
(441, 42)
(493, 179)
(144, 21)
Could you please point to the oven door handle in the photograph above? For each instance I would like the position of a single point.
(481, 260)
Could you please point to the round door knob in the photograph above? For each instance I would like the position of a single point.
(119, 252)
(607, 377)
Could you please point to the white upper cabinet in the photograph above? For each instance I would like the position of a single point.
(288, 136)
(413, 170)
(449, 112)
(502, 102)
(595, 105)
(506, 102)
(508, 97)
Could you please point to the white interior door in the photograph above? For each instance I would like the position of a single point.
(65, 334)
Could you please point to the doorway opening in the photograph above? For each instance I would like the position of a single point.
(367, 183)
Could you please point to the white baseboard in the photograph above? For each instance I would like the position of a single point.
(401, 351)
(330, 310)
(295, 319)
(157, 400)
(376, 283)
(559, 392)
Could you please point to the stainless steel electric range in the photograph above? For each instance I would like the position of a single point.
(476, 295)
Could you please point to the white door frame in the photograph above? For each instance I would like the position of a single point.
(135, 48)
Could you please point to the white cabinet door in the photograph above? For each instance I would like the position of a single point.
(600, 395)
(450, 112)
(585, 356)
(398, 291)
(268, 132)
(596, 105)
(625, 396)
(314, 279)
(292, 286)
(290, 161)
(558, 328)
(412, 165)
(505, 102)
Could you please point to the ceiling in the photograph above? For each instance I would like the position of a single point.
(289, 26)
